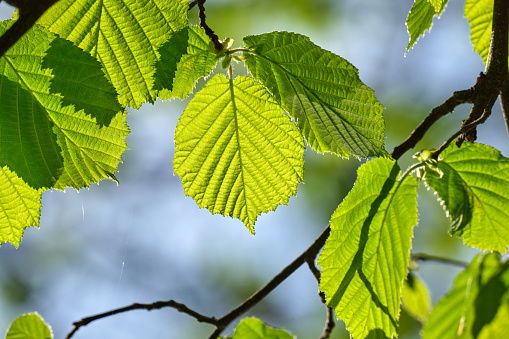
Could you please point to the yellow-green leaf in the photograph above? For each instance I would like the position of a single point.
(236, 151)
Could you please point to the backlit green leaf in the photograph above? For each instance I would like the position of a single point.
(476, 305)
(480, 16)
(61, 124)
(123, 35)
(335, 111)
(196, 61)
(474, 190)
(415, 297)
(236, 151)
(420, 18)
(29, 326)
(365, 258)
(20, 206)
(253, 328)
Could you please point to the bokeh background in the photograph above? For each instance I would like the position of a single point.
(142, 241)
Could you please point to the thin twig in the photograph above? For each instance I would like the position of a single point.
(137, 306)
(457, 98)
(210, 33)
(192, 4)
(308, 254)
(428, 257)
(329, 324)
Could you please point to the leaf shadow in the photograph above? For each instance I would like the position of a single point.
(170, 54)
(28, 145)
(78, 78)
(357, 262)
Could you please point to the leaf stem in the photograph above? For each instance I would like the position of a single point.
(429, 257)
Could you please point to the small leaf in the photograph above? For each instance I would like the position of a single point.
(415, 297)
(480, 16)
(29, 326)
(196, 61)
(335, 111)
(476, 305)
(474, 190)
(420, 18)
(20, 206)
(365, 258)
(123, 36)
(236, 151)
(253, 328)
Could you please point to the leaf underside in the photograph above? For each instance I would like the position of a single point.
(477, 305)
(420, 18)
(335, 111)
(29, 326)
(474, 191)
(123, 36)
(365, 258)
(236, 151)
(480, 17)
(60, 125)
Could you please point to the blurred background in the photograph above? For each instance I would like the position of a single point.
(142, 241)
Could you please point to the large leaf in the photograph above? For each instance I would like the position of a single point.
(53, 103)
(474, 190)
(365, 258)
(480, 16)
(236, 151)
(420, 18)
(20, 206)
(253, 328)
(186, 56)
(29, 326)
(477, 305)
(123, 35)
(335, 111)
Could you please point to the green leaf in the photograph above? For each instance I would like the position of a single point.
(123, 36)
(29, 326)
(253, 328)
(474, 190)
(476, 305)
(53, 103)
(335, 111)
(20, 206)
(236, 151)
(480, 16)
(415, 297)
(188, 52)
(365, 258)
(420, 18)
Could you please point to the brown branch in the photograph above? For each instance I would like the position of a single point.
(210, 33)
(329, 324)
(428, 257)
(504, 104)
(29, 12)
(457, 98)
(136, 306)
(309, 254)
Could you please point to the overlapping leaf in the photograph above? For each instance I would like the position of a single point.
(474, 190)
(20, 206)
(480, 16)
(365, 259)
(477, 305)
(123, 36)
(189, 50)
(415, 297)
(420, 18)
(253, 328)
(60, 125)
(236, 151)
(335, 111)
(29, 326)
